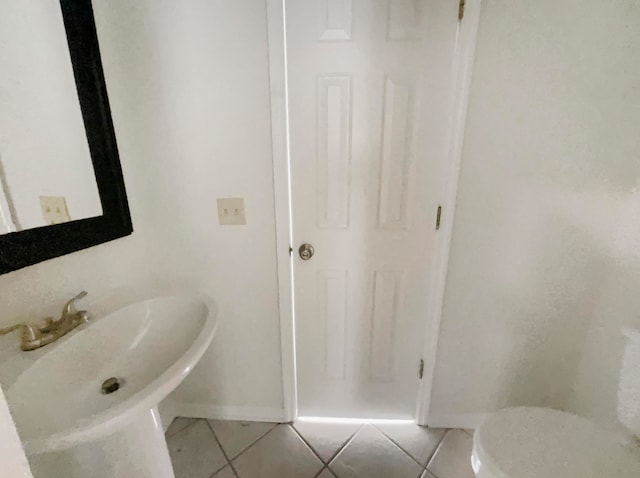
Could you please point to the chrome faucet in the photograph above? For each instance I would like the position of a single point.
(34, 337)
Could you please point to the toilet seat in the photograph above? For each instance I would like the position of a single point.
(530, 442)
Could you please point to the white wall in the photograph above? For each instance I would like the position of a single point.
(189, 90)
(544, 262)
(617, 306)
(43, 144)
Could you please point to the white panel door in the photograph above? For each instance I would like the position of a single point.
(366, 141)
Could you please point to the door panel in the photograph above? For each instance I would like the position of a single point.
(364, 195)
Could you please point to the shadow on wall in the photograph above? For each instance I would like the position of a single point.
(568, 302)
(545, 342)
(595, 390)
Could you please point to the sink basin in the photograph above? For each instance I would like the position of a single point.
(150, 347)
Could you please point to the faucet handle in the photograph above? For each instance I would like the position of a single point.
(28, 333)
(81, 295)
(70, 307)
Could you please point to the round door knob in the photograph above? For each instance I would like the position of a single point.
(306, 252)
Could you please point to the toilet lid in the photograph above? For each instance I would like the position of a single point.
(539, 442)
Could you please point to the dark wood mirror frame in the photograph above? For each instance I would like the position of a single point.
(24, 248)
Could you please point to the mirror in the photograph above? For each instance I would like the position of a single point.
(61, 185)
(46, 174)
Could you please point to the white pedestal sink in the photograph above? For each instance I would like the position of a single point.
(71, 429)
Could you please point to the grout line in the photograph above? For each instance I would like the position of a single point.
(224, 453)
(349, 440)
(436, 452)
(433, 453)
(320, 472)
(402, 449)
(342, 447)
(188, 425)
(424, 467)
(290, 425)
(326, 467)
(275, 425)
(346, 444)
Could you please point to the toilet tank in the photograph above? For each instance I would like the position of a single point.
(629, 387)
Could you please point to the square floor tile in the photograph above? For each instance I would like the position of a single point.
(178, 424)
(419, 442)
(372, 455)
(453, 456)
(226, 472)
(236, 436)
(194, 451)
(281, 453)
(426, 474)
(326, 439)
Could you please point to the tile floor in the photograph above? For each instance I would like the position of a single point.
(231, 449)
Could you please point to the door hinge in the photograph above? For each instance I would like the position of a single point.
(290, 250)
(421, 369)
(438, 217)
(461, 10)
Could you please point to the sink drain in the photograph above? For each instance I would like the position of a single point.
(111, 385)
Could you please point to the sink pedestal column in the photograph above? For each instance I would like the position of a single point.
(138, 450)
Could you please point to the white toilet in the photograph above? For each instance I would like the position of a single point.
(531, 442)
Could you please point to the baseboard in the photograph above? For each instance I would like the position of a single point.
(206, 410)
(173, 409)
(469, 421)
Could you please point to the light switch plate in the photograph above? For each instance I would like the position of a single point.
(231, 212)
(54, 209)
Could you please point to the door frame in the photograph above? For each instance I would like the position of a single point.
(281, 162)
(463, 61)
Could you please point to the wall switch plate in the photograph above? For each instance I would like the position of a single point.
(231, 212)
(54, 209)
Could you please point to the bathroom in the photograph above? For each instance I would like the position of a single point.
(478, 233)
